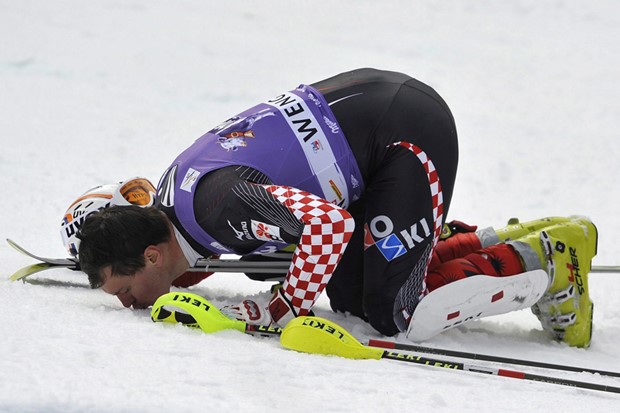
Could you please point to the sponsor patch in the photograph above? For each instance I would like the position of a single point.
(244, 233)
(316, 146)
(393, 244)
(266, 232)
(391, 247)
(191, 177)
(336, 189)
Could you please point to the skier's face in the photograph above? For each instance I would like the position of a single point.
(139, 290)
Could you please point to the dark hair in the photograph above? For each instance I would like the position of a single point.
(117, 237)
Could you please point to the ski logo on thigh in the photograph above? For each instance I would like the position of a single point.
(380, 232)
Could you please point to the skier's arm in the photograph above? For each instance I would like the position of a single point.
(326, 232)
(242, 211)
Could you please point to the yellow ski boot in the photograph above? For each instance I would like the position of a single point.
(565, 251)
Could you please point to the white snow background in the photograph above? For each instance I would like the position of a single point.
(97, 91)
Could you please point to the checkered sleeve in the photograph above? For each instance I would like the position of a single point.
(327, 230)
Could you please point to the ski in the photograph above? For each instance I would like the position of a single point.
(61, 262)
(276, 264)
(43, 264)
(277, 269)
(28, 270)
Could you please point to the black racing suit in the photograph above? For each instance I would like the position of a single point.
(381, 274)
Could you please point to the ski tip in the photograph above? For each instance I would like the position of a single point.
(27, 271)
(15, 245)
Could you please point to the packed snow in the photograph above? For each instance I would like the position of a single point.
(98, 91)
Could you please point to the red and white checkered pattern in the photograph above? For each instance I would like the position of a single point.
(326, 234)
(435, 188)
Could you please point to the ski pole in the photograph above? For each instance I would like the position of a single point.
(320, 336)
(187, 319)
(485, 357)
(497, 371)
(316, 335)
(605, 268)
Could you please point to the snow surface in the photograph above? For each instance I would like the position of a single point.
(94, 92)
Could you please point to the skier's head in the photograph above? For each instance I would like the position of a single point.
(135, 191)
(124, 250)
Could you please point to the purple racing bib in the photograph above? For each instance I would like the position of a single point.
(294, 139)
